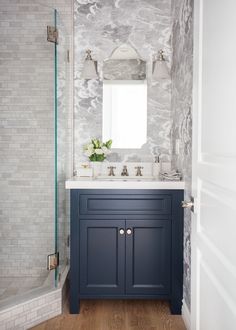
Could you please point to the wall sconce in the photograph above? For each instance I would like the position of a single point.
(90, 67)
(160, 69)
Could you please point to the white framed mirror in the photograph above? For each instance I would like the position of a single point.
(125, 99)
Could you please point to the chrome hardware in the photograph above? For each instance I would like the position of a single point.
(53, 261)
(111, 172)
(129, 231)
(124, 171)
(139, 170)
(188, 204)
(121, 231)
(52, 34)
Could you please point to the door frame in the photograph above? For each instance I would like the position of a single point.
(196, 141)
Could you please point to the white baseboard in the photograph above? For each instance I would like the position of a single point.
(186, 316)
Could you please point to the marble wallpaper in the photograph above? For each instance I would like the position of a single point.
(147, 25)
(124, 69)
(103, 25)
(181, 105)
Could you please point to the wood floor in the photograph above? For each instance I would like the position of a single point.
(117, 315)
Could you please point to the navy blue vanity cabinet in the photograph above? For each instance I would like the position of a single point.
(102, 255)
(148, 258)
(126, 244)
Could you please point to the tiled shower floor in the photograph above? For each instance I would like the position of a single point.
(12, 286)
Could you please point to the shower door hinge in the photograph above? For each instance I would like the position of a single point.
(52, 34)
(53, 261)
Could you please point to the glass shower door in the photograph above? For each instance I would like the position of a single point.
(62, 145)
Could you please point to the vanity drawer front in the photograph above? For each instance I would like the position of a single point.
(125, 204)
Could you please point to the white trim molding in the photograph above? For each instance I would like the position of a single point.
(186, 315)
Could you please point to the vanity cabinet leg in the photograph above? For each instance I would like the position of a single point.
(176, 306)
(74, 305)
(74, 254)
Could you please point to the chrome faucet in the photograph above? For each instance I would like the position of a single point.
(139, 170)
(111, 172)
(124, 171)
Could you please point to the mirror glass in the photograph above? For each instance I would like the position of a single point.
(125, 99)
(125, 113)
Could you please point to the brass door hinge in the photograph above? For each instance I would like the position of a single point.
(52, 34)
(53, 261)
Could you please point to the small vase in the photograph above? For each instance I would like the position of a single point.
(97, 168)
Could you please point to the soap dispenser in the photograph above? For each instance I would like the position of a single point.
(156, 167)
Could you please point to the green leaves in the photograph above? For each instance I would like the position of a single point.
(97, 158)
(96, 143)
(108, 144)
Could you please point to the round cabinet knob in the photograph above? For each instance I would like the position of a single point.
(129, 231)
(122, 231)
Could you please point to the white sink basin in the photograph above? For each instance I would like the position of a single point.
(124, 178)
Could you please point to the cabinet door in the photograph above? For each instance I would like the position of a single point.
(102, 255)
(148, 256)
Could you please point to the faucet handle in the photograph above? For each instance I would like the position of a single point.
(125, 171)
(139, 170)
(111, 172)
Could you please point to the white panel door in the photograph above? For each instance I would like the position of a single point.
(214, 166)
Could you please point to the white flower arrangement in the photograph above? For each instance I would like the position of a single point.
(97, 150)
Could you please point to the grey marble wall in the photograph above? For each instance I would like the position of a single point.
(181, 105)
(102, 25)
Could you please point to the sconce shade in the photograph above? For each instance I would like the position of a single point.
(90, 67)
(160, 69)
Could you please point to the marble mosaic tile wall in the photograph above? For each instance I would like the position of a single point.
(27, 135)
(26, 149)
(181, 104)
(103, 25)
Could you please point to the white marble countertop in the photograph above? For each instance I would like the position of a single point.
(91, 183)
